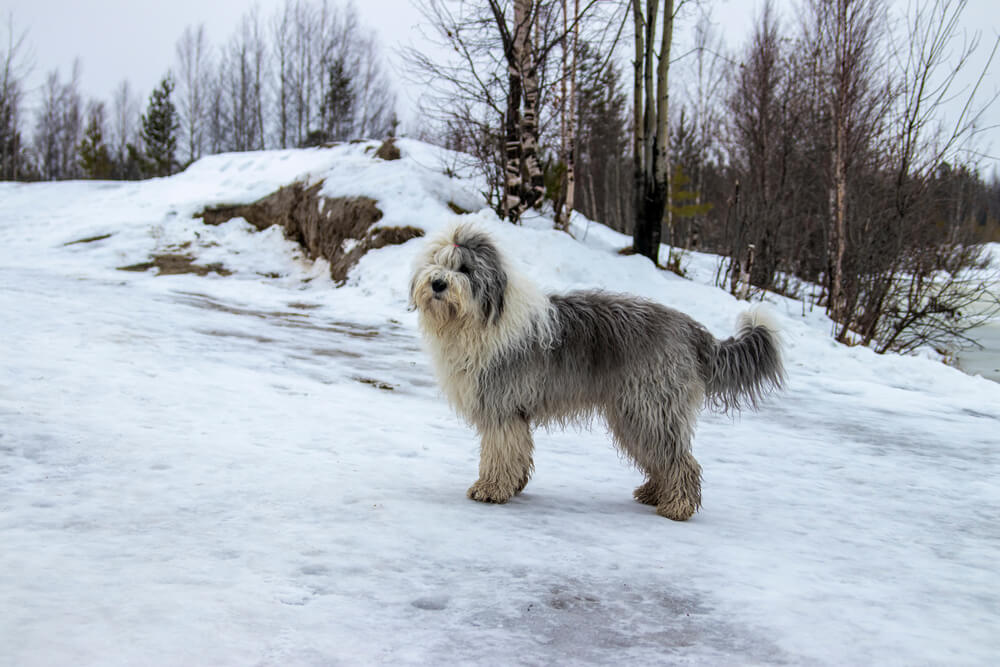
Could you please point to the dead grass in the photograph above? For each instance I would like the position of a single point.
(169, 264)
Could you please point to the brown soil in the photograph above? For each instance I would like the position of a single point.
(89, 239)
(320, 224)
(172, 264)
(388, 150)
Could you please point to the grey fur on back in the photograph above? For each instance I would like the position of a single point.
(599, 343)
(603, 342)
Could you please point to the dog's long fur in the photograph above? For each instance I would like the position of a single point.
(509, 358)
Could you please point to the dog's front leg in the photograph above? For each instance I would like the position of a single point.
(505, 463)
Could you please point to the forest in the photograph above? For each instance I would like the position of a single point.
(815, 157)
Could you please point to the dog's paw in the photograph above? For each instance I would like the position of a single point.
(648, 493)
(677, 509)
(489, 492)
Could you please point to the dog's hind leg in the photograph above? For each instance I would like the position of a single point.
(680, 488)
(659, 442)
(505, 463)
(675, 491)
(648, 493)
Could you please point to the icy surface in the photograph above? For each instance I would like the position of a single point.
(259, 469)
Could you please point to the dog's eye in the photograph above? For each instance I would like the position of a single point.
(464, 269)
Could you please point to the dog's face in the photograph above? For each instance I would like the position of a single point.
(460, 279)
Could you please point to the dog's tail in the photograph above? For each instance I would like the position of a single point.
(744, 368)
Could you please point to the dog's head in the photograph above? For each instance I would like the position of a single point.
(459, 278)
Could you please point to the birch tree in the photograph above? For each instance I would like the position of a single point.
(570, 51)
(193, 81)
(494, 88)
(651, 95)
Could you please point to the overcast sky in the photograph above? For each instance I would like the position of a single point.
(134, 40)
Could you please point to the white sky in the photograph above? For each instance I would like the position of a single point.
(134, 40)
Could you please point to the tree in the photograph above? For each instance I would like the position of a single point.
(603, 178)
(327, 69)
(159, 130)
(492, 92)
(651, 125)
(337, 110)
(241, 81)
(124, 131)
(194, 75)
(568, 114)
(95, 159)
(846, 33)
(58, 126)
(699, 151)
(14, 68)
(765, 128)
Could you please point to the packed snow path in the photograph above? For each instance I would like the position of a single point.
(260, 470)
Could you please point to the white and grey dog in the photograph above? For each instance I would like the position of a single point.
(509, 357)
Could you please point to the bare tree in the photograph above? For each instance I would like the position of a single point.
(318, 47)
(937, 288)
(493, 90)
(124, 125)
(764, 126)
(282, 50)
(59, 126)
(651, 94)
(703, 89)
(242, 74)
(375, 108)
(568, 112)
(857, 96)
(15, 65)
(193, 80)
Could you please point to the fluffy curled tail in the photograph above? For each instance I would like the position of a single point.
(747, 366)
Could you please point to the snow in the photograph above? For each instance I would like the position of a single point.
(259, 468)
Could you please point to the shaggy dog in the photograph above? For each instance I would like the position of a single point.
(509, 358)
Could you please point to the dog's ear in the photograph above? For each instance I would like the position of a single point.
(492, 298)
(487, 274)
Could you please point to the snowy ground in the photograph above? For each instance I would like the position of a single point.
(258, 469)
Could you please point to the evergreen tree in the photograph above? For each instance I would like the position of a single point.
(604, 172)
(159, 130)
(95, 158)
(338, 105)
(10, 139)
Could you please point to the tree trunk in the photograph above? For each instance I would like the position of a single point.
(569, 115)
(652, 150)
(638, 137)
(838, 185)
(534, 187)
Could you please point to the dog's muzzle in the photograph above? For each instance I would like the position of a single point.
(438, 285)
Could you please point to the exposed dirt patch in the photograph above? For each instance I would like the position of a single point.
(388, 150)
(455, 208)
(378, 384)
(339, 229)
(90, 239)
(173, 264)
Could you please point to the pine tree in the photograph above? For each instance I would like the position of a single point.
(338, 105)
(95, 159)
(159, 130)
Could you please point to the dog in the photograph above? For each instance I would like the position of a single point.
(509, 357)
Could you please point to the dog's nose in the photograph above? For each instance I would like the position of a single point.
(439, 285)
